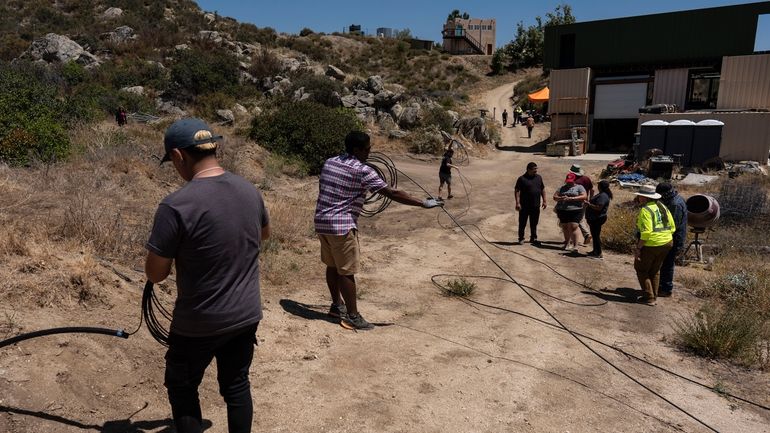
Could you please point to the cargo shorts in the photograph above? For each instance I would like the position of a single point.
(341, 252)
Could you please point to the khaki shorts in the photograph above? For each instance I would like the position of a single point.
(341, 252)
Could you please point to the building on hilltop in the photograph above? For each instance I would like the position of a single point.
(355, 29)
(700, 64)
(469, 36)
(385, 32)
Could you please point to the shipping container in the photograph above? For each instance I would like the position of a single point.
(569, 91)
(745, 82)
(670, 87)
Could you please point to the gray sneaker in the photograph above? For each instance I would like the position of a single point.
(356, 322)
(338, 310)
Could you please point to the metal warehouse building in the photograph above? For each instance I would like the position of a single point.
(702, 61)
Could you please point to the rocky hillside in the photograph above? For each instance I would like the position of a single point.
(170, 58)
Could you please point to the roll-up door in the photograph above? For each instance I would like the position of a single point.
(619, 101)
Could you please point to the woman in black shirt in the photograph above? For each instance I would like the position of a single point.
(596, 215)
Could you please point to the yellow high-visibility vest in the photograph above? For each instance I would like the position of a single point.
(652, 230)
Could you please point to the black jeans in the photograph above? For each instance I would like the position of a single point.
(186, 361)
(667, 271)
(533, 214)
(596, 233)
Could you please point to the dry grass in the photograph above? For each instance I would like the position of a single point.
(619, 232)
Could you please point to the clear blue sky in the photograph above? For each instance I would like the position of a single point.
(425, 17)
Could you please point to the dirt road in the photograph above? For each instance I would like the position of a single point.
(487, 364)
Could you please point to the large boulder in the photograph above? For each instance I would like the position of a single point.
(349, 101)
(210, 35)
(120, 35)
(365, 99)
(226, 116)
(385, 99)
(375, 84)
(396, 111)
(240, 110)
(474, 128)
(335, 72)
(290, 64)
(366, 114)
(112, 13)
(58, 48)
(209, 17)
(386, 122)
(136, 90)
(410, 118)
(169, 108)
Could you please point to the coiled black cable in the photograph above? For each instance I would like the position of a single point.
(151, 307)
(375, 203)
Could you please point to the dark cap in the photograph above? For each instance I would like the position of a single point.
(663, 188)
(186, 133)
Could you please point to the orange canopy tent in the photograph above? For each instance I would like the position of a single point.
(540, 96)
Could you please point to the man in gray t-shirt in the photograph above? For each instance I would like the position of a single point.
(211, 230)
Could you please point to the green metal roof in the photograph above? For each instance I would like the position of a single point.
(659, 40)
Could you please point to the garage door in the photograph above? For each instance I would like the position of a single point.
(619, 101)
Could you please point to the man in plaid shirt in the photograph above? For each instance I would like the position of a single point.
(343, 185)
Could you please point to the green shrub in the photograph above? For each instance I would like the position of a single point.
(320, 87)
(32, 119)
(199, 71)
(265, 64)
(209, 103)
(308, 130)
(73, 73)
(721, 333)
(460, 287)
(425, 140)
(438, 117)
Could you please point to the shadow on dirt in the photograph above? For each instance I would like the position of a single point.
(535, 148)
(307, 311)
(116, 426)
(625, 295)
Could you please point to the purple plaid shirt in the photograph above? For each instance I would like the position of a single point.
(342, 189)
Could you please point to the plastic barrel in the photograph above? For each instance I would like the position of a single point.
(702, 211)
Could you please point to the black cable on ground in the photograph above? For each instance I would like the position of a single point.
(588, 337)
(151, 307)
(65, 330)
(572, 333)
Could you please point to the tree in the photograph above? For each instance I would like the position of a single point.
(456, 14)
(404, 34)
(526, 49)
(499, 59)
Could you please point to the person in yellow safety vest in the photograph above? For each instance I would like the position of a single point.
(655, 228)
(517, 115)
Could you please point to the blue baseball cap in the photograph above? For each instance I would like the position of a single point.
(186, 133)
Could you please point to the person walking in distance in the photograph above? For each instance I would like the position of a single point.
(445, 173)
(678, 207)
(505, 117)
(569, 208)
(529, 194)
(212, 230)
(343, 184)
(530, 126)
(596, 216)
(586, 183)
(517, 115)
(655, 228)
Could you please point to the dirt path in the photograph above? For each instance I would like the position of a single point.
(489, 364)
